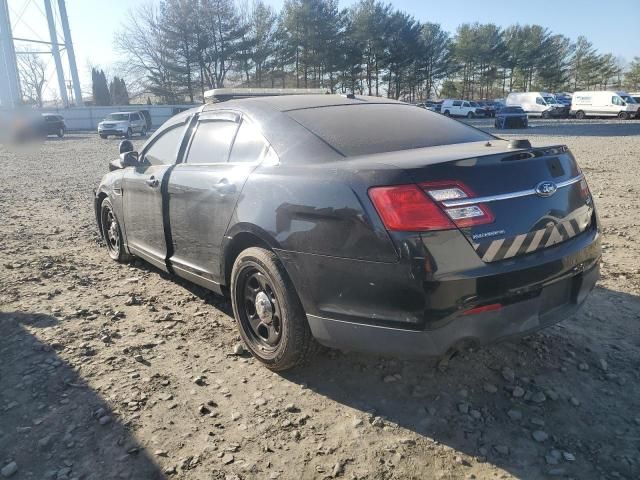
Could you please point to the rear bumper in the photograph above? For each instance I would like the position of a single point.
(420, 305)
(512, 320)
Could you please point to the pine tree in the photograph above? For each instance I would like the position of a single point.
(99, 87)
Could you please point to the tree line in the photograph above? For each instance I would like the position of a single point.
(177, 49)
(112, 93)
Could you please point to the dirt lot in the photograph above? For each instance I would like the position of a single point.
(119, 371)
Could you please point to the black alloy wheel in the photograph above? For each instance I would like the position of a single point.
(261, 310)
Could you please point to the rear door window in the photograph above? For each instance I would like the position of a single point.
(457, 103)
(249, 145)
(212, 141)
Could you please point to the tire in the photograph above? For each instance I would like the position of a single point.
(447, 113)
(129, 133)
(270, 317)
(104, 137)
(470, 115)
(60, 133)
(545, 115)
(580, 115)
(623, 116)
(112, 233)
(143, 132)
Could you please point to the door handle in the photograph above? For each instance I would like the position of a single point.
(152, 181)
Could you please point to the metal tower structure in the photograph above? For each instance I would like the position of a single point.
(10, 94)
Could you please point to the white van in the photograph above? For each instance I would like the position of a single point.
(604, 103)
(462, 108)
(537, 104)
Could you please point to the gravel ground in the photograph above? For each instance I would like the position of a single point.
(120, 371)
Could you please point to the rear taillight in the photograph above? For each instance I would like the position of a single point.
(467, 215)
(421, 208)
(406, 208)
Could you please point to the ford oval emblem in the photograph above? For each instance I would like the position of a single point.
(546, 189)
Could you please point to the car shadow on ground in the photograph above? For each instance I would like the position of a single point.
(474, 406)
(52, 424)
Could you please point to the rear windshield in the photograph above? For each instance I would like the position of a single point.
(378, 128)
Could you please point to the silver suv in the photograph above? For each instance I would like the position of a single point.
(123, 124)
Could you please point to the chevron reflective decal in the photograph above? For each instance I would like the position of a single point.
(505, 248)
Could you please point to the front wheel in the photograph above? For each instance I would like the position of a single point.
(143, 132)
(112, 233)
(129, 133)
(470, 115)
(270, 317)
(61, 133)
(104, 137)
(580, 115)
(623, 115)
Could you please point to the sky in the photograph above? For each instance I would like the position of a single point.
(613, 26)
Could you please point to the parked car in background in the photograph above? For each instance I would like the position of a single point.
(123, 124)
(604, 103)
(361, 223)
(488, 106)
(461, 108)
(537, 104)
(511, 117)
(53, 125)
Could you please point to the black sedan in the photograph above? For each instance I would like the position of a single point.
(359, 223)
(511, 117)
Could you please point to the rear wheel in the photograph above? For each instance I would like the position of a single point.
(112, 233)
(270, 317)
(60, 132)
(447, 113)
(580, 115)
(623, 115)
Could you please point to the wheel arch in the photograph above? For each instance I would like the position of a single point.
(239, 238)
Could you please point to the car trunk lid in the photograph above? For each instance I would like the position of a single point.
(531, 198)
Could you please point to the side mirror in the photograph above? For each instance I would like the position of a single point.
(126, 146)
(129, 159)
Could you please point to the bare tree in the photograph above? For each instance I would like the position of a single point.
(32, 69)
(148, 58)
